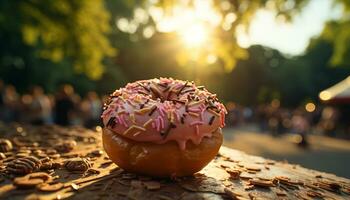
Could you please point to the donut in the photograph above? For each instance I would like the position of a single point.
(162, 127)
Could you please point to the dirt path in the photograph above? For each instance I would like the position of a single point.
(324, 154)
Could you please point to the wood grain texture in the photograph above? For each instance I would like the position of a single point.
(231, 175)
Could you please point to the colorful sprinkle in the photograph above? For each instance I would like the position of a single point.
(128, 130)
(194, 110)
(111, 122)
(213, 112)
(161, 120)
(137, 133)
(186, 91)
(161, 111)
(148, 122)
(154, 108)
(193, 114)
(121, 120)
(139, 128)
(156, 91)
(158, 124)
(177, 115)
(132, 117)
(196, 103)
(211, 120)
(142, 111)
(121, 112)
(173, 99)
(178, 93)
(196, 123)
(166, 132)
(144, 87)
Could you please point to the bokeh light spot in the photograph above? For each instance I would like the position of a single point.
(310, 107)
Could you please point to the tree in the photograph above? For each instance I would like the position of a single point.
(263, 74)
(267, 74)
(337, 34)
(62, 32)
(221, 19)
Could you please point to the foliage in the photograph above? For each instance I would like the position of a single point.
(337, 33)
(231, 17)
(268, 74)
(41, 41)
(60, 31)
(263, 75)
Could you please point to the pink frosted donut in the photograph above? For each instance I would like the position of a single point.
(159, 111)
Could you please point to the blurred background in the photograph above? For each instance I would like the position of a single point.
(280, 66)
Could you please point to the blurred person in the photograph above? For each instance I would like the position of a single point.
(286, 122)
(316, 115)
(236, 116)
(247, 114)
(262, 118)
(343, 121)
(232, 116)
(10, 104)
(1, 99)
(25, 108)
(93, 109)
(301, 126)
(329, 117)
(273, 124)
(64, 105)
(77, 116)
(41, 107)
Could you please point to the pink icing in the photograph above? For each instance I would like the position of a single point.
(198, 115)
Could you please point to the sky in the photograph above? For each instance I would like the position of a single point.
(291, 38)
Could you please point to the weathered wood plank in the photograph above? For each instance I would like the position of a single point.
(231, 175)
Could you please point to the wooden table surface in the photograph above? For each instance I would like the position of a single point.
(75, 167)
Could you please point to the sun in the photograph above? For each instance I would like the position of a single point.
(194, 24)
(195, 35)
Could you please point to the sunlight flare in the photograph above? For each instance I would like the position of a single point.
(193, 24)
(194, 36)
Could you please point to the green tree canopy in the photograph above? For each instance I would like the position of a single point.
(337, 34)
(223, 19)
(53, 42)
(69, 31)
